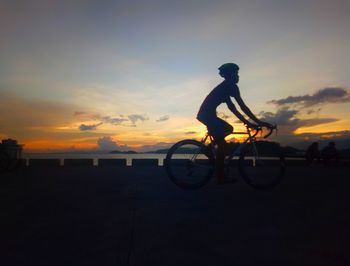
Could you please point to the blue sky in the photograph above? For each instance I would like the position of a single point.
(159, 59)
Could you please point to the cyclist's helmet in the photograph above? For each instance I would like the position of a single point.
(229, 67)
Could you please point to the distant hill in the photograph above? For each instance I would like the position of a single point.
(123, 152)
(161, 151)
(289, 151)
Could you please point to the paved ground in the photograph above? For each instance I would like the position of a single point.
(136, 216)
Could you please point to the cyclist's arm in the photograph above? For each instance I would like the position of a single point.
(249, 113)
(234, 110)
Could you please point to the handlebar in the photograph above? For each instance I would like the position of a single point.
(259, 129)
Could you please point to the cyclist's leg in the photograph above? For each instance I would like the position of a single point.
(219, 129)
(220, 159)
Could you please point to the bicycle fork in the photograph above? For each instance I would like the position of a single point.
(254, 149)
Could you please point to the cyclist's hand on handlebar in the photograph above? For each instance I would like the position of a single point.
(270, 128)
(253, 126)
(267, 125)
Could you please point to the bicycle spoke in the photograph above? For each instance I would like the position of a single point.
(187, 165)
(262, 164)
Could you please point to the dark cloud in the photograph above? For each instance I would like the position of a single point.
(135, 117)
(163, 118)
(312, 111)
(107, 143)
(283, 116)
(113, 120)
(116, 121)
(288, 122)
(84, 127)
(326, 95)
(316, 121)
(190, 132)
(105, 119)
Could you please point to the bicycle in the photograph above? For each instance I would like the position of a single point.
(190, 164)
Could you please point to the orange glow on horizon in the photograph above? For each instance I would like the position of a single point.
(46, 145)
(322, 129)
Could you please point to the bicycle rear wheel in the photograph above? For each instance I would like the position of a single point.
(189, 164)
(262, 164)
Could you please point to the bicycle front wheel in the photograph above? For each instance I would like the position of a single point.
(189, 164)
(262, 164)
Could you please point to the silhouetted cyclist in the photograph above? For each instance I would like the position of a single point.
(217, 127)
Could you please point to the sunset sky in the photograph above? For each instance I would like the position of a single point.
(91, 74)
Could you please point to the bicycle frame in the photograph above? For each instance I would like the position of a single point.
(235, 152)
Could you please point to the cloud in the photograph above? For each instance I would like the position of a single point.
(113, 120)
(283, 116)
(84, 127)
(288, 122)
(287, 117)
(107, 143)
(190, 132)
(116, 121)
(135, 117)
(163, 118)
(311, 111)
(316, 121)
(326, 95)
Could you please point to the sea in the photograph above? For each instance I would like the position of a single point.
(96, 156)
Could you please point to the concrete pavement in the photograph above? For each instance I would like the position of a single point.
(117, 215)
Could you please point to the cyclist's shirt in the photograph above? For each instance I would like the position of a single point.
(220, 94)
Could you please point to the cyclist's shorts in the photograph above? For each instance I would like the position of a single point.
(218, 128)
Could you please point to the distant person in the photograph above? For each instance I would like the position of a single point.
(219, 128)
(312, 153)
(330, 154)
